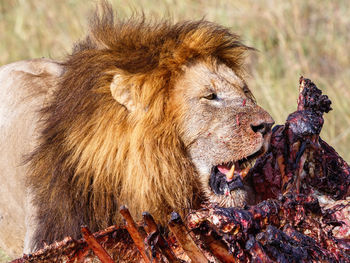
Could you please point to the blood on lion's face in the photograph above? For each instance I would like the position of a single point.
(145, 114)
(223, 130)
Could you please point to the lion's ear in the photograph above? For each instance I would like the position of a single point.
(121, 92)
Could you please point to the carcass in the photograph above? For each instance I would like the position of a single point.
(302, 186)
(302, 213)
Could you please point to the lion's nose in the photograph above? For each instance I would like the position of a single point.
(262, 127)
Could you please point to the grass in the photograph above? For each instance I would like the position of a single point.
(294, 38)
(3, 257)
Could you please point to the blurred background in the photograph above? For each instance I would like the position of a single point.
(294, 38)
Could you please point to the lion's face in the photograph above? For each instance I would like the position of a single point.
(223, 129)
(132, 121)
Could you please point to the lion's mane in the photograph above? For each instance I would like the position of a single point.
(95, 154)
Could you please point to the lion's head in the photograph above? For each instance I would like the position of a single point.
(151, 115)
(222, 128)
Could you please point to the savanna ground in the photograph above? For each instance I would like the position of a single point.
(309, 38)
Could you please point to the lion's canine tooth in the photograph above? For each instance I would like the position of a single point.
(244, 172)
(254, 161)
(249, 163)
(229, 175)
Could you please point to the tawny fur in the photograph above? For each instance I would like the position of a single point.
(24, 89)
(96, 154)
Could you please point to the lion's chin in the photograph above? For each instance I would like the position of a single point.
(229, 184)
(238, 197)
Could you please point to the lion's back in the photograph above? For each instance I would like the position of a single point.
(25, 86)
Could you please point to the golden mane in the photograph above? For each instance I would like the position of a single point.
(94, 154)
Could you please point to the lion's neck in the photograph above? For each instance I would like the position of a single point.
(86, 168)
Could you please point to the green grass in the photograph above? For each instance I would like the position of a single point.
(294, 38)
(3, 257)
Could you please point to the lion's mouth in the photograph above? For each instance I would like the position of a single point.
(229, 176)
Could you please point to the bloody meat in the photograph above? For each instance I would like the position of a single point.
(302, 213)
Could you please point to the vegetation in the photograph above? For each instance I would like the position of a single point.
(293, 38)
(3, 256)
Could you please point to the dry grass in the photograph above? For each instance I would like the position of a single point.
(3, 257)
(294, 38)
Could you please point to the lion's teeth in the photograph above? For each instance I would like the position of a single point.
(253, 162)
(230, 174)
(249, 163)
(244, 172)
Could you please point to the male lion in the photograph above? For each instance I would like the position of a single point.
(156, 116)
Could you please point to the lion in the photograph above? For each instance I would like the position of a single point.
(154, 115)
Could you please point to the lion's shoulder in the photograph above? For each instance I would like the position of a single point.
(33, 66)
(28, 77)
(25, 87)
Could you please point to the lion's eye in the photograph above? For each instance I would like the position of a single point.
(246, 90)
(248, 93)
(211, 96)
